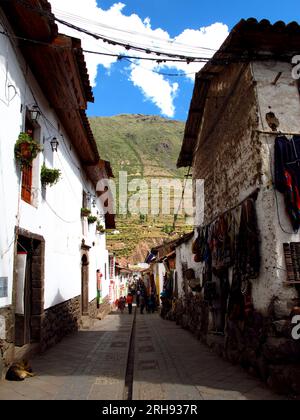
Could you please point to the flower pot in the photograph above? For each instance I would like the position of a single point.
(25, 150)
(85, 212)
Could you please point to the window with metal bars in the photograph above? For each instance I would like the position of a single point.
(292, 260)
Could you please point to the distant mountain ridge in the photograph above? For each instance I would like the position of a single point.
(145, 146)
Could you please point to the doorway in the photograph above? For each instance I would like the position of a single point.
(85, 285)
(29, 288)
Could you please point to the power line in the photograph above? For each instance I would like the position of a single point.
(129, 32)
(160, 72)
(118, 56)
(58, 216)
(114, 42)
(126, 45)
(158, 60)
(46, 120)
(104, 38)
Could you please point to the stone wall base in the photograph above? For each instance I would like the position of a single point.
(60, 320)
(100, 312)
(56, 322)
(262, 345)
(6, 339)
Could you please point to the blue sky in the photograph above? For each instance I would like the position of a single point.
(122, 87)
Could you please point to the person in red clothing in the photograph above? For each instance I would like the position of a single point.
(129, 302)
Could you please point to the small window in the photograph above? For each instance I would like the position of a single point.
(86, 200)
(27, 183)
(292, 261)
(3, 287)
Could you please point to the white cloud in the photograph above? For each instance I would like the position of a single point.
(161, 92)
(113, 24)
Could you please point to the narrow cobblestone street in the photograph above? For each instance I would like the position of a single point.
(169, 364)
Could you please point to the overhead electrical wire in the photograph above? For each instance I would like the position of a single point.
(162, 73)
(116, 41)
(129, 46)
(119, 56)
(124, 44)
(47, 121)
(152, 37)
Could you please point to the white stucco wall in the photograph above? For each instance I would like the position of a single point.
(184, 256)
(283, 99)
(56, 218)
(161, 273)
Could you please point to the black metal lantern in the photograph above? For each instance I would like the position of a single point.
(34, 113)
(54, 144)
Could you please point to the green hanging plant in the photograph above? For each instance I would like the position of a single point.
(85, 212)
(92, 219)
(26, 149)
(49, 176)
(100, 228)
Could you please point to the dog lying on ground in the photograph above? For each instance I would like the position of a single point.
(19, 371)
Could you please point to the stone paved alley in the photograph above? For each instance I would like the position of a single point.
(169, 364)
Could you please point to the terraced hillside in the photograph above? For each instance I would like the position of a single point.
(146, 147)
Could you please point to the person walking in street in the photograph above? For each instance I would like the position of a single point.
(142, 303)
(137, 297)
(129, 302)
(151, 304)
(122, 301)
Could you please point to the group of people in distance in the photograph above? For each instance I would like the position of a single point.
(143, 300)
(121, 303)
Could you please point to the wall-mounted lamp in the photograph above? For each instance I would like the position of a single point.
(34, 113)
(54, 144)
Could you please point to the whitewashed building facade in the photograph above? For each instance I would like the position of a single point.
(54, 266)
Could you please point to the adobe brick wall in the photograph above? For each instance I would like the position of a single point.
(228, 157)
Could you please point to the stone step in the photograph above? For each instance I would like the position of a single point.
(85, 322)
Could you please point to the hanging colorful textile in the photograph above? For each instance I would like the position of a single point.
(287, 175)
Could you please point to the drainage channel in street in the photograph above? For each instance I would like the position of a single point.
(128, 388)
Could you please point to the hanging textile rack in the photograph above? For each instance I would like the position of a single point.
(277, 133)
(288, 283)
(253, 195)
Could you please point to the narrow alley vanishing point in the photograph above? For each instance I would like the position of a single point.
(164, 362)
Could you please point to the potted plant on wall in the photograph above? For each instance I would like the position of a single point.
(100, 228)
(26, 149)
(85, 212)
(49, 176)
(91, 219)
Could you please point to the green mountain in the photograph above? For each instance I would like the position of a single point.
(145, 147)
